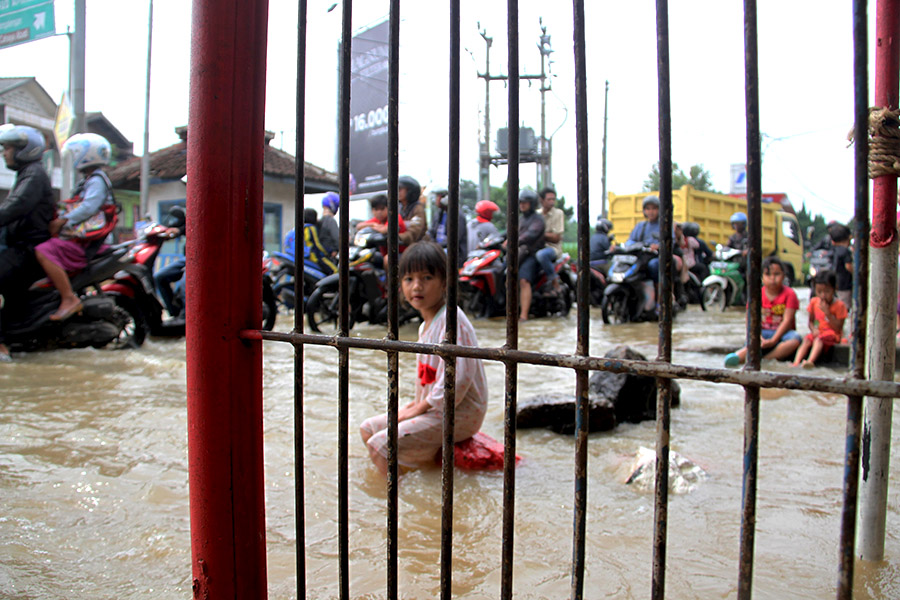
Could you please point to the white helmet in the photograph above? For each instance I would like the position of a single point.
(88, 150)
(28, 142)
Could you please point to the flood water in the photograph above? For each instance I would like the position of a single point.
(94, 498)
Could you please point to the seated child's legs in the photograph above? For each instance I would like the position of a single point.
(786, 347)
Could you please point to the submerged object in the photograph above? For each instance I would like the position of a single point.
(684, 474)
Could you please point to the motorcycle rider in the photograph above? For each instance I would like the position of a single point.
(702, 253)
(412, 210)
(439, 228)
(25, 215)
(555, 223)
(531, 239)
(329, 234)
(176, 224)
(600, 242)
(67, 252)
(481, 227)
(740, 239)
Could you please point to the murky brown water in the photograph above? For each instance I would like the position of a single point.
(94, 502)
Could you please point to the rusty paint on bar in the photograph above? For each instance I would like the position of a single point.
(582, 406)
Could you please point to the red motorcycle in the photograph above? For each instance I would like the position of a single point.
(482, 283)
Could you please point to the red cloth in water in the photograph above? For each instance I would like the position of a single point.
(479, 452)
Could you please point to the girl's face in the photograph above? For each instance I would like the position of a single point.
(824, 292)
(773, 278)
(424, 292)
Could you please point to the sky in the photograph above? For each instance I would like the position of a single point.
(805, 71)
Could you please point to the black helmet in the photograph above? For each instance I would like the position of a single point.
(176, 217)
(413, 189)
(604, 225)
(651, 199)
(531, 197)
(690, 229)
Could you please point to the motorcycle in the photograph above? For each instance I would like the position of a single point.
(367, 289)
(598, 271)
(629, 295)
(725, 285)
(482, 281)
(109, 318)
(135, 284)
(281, 268)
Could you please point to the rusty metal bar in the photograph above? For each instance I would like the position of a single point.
(449, 417)
(762, 379)
(393, 294)
(299, 306)
(344, 304)
(860, 298)
(664, 303)
(754, 323)
(582, 406)
(512, 304)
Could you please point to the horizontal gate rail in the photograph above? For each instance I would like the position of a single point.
(761, 379)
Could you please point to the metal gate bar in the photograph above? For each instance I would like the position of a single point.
(582, 406)
(751, 378)
(664, 303)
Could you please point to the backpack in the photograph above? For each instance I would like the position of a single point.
(101, 224)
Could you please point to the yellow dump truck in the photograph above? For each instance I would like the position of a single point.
(780, 229)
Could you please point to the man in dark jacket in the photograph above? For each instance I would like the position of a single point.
(25, 215)
(531, 239)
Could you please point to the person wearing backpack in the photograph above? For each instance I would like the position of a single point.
(89, 217)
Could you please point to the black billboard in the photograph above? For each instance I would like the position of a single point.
(369, 110)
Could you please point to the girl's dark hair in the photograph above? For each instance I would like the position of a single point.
(424, 256)
(378, 201)
(772, 260)
(309, 216)
(827, 277)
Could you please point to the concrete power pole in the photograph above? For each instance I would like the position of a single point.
(604, 209)
(484, 156)
(145, 159)
(77, 67)
(545, 178)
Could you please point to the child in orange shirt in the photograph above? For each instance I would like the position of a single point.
(826, 321)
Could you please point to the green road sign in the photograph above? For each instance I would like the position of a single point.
(25, 20)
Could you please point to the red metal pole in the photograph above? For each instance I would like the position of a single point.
(880, 347)
(887, 83)
(224, 291)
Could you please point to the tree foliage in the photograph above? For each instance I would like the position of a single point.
(812, 227)
(697, 176)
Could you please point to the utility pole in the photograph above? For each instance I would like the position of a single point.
(544, 180)
(604, 209)
(485, 158)
(145, 159)
(484, 172)
(77, 67)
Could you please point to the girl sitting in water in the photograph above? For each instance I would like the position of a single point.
(779, 305)
(423, 276)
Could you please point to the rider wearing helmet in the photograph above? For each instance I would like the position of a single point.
(647, 232)
(531, 239)
(740, 239)
(481, 227)
(412, 210)
(703, 253)
(25, 214)
(600, 242)
(439, 227)
(329, 235)
(71, 251)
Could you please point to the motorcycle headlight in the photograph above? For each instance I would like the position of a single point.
(618, 277)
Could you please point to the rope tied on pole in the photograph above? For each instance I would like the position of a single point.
(884, 142)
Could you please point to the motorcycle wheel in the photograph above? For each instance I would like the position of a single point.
(322, 310)
(715, 297)
(131, 322)
(473, 302)
(615, 309)
(269, 308)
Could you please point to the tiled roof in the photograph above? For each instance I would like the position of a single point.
(171, 163)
